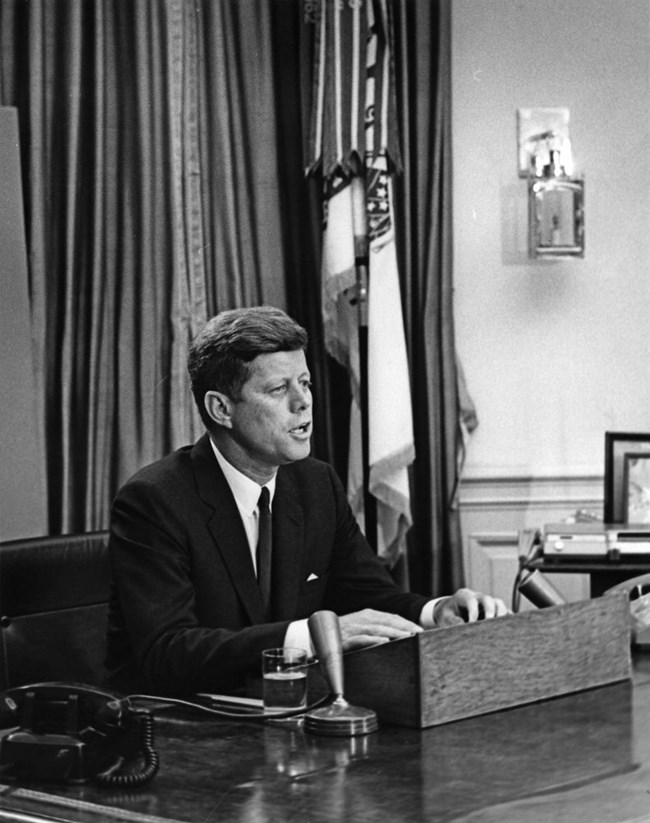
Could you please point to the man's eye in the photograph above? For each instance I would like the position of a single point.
(278, 389)
(306, 384)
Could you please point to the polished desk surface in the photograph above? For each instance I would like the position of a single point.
(583, 757)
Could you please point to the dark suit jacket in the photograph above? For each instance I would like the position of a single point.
(186, 613)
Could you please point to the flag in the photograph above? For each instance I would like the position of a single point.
(353, 140)
(391, 439)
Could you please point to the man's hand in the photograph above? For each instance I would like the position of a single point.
(467, 606)
(368, 627)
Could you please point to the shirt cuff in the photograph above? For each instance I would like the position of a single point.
(426, 615)
(297, 637)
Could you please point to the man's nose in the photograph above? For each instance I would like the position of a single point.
(301, 398)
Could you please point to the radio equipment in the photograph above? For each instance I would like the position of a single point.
(598, 541)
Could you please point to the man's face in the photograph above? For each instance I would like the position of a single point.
(272, 421)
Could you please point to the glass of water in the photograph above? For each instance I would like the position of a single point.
(284, 673)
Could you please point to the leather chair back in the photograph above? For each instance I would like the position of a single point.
(54, 595)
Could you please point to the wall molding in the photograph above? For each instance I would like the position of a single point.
(493, 511)
(562, 491)
(492, 563)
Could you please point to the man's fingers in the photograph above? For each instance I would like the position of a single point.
(467, 604)
(448, 618)
(362, 641)
(372, 617)
(489, 606)
(369, 625)
(472, 606)
(377, 630)
(393, 621)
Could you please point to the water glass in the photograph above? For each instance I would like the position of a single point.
(284, 673)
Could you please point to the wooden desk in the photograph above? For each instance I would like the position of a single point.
(584, 757)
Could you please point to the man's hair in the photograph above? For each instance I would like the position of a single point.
(220, 355)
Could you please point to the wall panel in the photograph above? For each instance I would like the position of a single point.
(495, 510)
(22, 464)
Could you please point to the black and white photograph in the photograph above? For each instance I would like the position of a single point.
(636, 487)
(325, 392)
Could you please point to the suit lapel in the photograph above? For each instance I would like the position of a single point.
(226, 527)
(288, 547)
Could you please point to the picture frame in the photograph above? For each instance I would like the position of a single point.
(636, 486)
(617, 445)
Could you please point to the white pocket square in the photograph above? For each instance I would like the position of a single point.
(311, 577)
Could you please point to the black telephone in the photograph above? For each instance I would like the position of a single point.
(74, 733)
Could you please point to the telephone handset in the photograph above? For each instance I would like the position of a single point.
(74, 733)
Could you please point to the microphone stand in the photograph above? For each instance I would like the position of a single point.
(339, 718)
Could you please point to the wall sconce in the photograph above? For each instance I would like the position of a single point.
(556, 217)
(555, 196)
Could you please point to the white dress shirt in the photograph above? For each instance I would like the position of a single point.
(246, 493)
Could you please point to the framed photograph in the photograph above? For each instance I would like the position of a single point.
(617, 445)
(636, 485)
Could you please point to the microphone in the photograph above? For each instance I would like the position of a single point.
(541, 593)
(338, 718)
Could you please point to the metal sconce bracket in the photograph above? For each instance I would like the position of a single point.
(556, 222)
(556, 217)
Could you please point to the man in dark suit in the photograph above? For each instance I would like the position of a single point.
(191, 609)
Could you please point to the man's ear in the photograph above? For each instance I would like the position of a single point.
(219, 408)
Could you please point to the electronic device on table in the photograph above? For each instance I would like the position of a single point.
(596, 541)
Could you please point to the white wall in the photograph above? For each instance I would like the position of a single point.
(555, 352)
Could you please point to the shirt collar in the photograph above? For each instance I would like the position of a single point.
(246, 491)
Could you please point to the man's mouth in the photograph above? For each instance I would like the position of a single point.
(302, 429)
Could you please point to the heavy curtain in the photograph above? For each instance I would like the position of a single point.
(151, 191)
(442, 408)
(162, 152)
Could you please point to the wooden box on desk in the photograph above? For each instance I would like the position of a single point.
(448, 674)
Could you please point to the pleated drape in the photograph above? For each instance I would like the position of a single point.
(147, 138)
(442, 408)
(163, 171)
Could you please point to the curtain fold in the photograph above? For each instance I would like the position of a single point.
(151, 196)
(239, 161)
(424, 209)
(163, 168)
(293, 41)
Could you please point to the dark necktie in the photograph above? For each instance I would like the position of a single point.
(264, 547)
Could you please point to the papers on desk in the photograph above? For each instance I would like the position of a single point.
(232, 702)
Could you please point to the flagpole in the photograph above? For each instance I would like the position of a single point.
(353, 139)
(362, 275)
